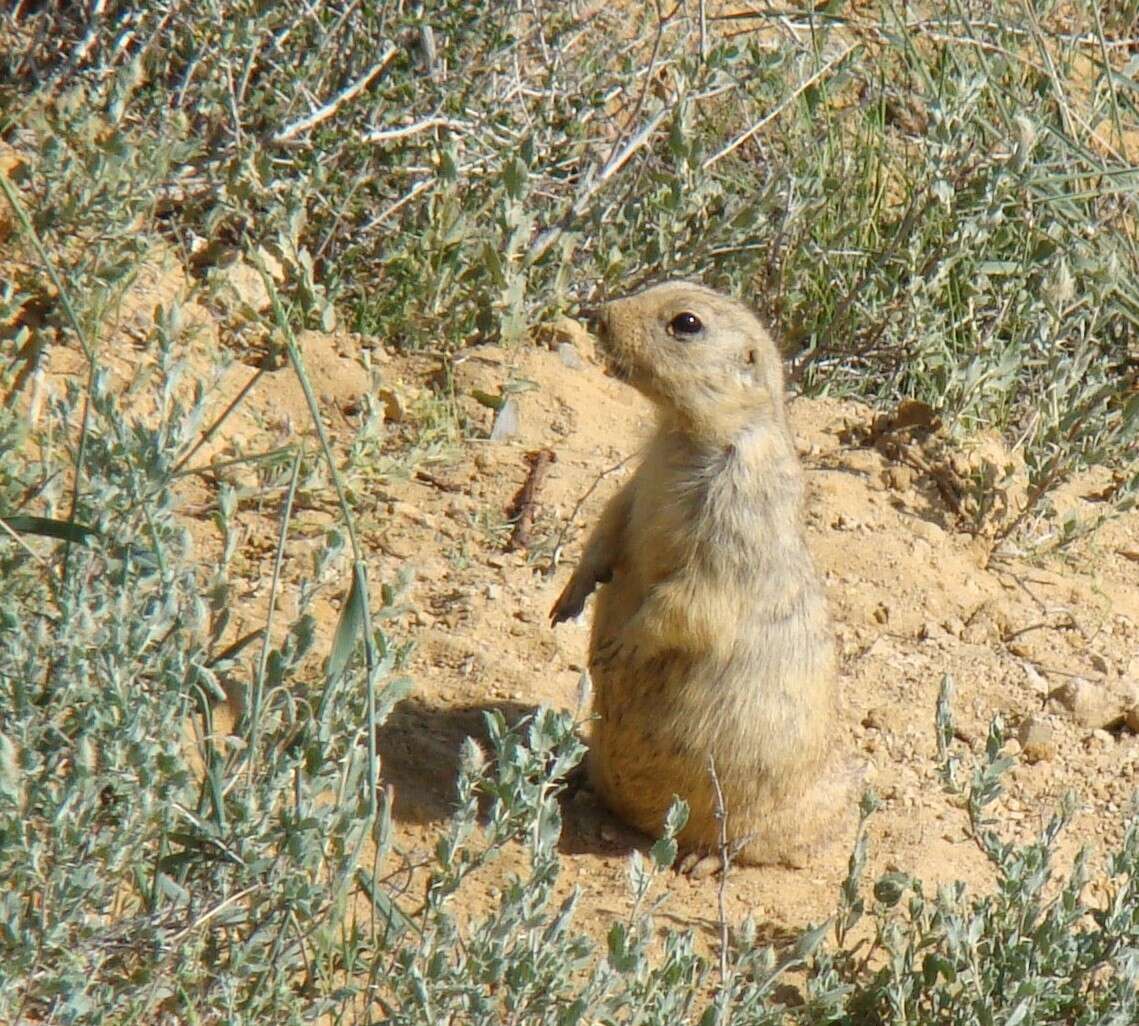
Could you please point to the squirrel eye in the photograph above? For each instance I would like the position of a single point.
(685, 324)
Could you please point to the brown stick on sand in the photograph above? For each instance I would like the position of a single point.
(521, 509)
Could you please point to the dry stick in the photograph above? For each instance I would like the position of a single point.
(323, 113)
(234, 649)
(661, 21)
(415, 190)
(928, 26)
(551, 235)
(522, 508)
(437, 482)
(430, 51)
(214, 467)
(31, 353)
(556, 554)
(619, 160)
(266, 637)
(1117, 122)
(725, 865)
(779, 108)
(87, 43)
(919, 203)
(205, 917)
(359, 564)
(391, 134)
(1053, 73)
(27, 548)
(619, 155)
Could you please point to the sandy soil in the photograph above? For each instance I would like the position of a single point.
(1049, 641)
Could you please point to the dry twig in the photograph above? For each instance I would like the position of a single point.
(346, 95)
(522, 508)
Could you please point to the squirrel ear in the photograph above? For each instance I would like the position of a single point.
(750, 373)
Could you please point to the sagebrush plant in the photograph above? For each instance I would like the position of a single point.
(940, 207)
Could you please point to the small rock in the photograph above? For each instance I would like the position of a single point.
(506, 422)
(882, 613)
(1091, 705)
(1035, 679)
(1099, 663)
(397, 403)
(459, 508)
(984, 627)
(1101, 738)
(1037, 742)
(898, 477)
(883, 717)
(702, 868)
(569, 356)
(566, 330)
(271, 264)
(912, 413)
(417, 516)
(247, 285)
(930, 532)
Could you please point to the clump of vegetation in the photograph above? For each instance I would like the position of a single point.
(936, 207)
(939, 207)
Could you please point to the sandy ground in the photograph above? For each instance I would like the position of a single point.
(1046, 638)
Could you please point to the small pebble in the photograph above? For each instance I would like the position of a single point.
(1037, 742)
(568, 354)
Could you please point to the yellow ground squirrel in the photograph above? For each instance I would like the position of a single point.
(710, 636)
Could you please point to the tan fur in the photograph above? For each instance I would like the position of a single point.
(710, 634)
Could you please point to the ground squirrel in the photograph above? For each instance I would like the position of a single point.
(710, 636)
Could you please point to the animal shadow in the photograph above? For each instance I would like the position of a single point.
(420, 746)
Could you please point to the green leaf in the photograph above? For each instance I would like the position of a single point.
(350, 627)
(493, 402)
(46, 527)
(514, 175)
(890, 888)
(396, 923)
(664, 852)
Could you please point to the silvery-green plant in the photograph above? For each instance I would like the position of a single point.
(927, 212)
(934, 206)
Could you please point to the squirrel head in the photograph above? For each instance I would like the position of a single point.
(704, 359)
